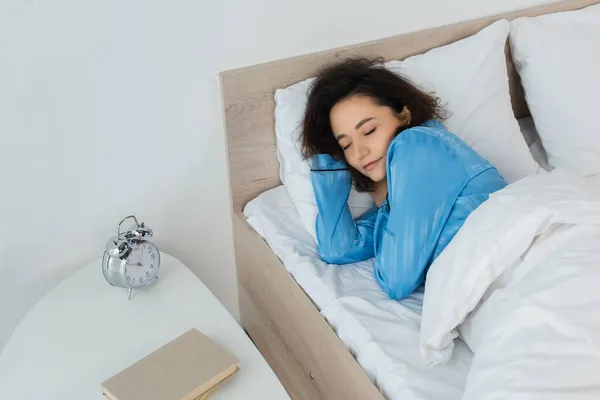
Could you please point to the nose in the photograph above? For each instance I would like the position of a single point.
(360, 150)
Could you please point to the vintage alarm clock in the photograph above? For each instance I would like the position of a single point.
(130, 260)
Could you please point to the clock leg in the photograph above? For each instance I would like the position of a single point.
(129, 294)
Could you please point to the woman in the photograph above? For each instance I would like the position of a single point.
(368, 126)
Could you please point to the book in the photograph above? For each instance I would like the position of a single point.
(189, 367)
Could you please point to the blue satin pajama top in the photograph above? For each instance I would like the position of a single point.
(434, 182)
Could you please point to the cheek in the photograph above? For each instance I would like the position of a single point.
(352, 160)
(379, 144)
(385, 141)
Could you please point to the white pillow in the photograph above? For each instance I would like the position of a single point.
(558, 59)
(470, 78)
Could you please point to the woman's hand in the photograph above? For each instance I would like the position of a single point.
(379, 193)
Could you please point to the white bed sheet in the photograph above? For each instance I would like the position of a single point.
(382, 334)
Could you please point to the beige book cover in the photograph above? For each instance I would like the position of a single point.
(184, 369)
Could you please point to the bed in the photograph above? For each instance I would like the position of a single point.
(311, 322)
(382, 334)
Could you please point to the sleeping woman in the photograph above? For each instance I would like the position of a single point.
(368, 126)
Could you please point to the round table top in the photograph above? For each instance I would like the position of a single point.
(85, 331)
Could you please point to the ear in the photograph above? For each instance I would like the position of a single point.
(405, 117)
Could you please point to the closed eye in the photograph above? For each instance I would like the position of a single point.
(371, 131)
(346, 146)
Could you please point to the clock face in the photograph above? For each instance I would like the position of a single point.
(142, 265)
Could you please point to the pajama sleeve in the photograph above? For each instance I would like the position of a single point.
(340, 238)
(425, 177)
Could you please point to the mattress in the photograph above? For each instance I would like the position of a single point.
(382, 334)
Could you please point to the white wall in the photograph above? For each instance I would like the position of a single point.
(113, 107)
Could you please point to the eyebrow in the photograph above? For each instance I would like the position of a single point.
(361, 123)
(364, 121)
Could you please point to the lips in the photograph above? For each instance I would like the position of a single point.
(371, 165)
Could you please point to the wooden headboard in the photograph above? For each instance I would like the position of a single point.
(248, 94)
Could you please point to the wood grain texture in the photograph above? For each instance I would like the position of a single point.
(285, 325)
(301, 347)
(249, 105)
(266, 338)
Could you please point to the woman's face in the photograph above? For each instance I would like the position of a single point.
(364, 130)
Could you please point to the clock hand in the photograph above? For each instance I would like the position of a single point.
(140, 255)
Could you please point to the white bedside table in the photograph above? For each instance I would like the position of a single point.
(85, 331)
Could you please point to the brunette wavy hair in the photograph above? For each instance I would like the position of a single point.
(365, 77)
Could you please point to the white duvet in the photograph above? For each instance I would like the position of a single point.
(520, 284)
